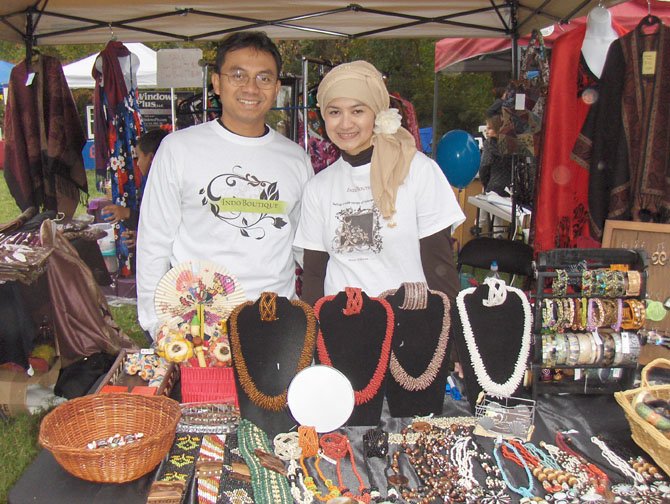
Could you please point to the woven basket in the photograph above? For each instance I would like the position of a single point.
(208, 384)
(647, 437)
(67, 430)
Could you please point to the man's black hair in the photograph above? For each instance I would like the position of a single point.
(241, 40)
(149, 142)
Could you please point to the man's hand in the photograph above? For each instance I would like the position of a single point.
(115, 213)
(130, 238)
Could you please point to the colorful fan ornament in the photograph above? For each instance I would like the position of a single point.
(201, 288)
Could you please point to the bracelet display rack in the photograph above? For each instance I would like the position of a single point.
(581, 345)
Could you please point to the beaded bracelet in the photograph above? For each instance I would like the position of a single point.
(269, 486)
(548, 320)
(559, 286)
(633, 283)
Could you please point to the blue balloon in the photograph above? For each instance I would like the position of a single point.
(458, 157)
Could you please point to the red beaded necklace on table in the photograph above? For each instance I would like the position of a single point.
(337, 446)
(353, 307)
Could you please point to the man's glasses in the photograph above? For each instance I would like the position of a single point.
(240, 78)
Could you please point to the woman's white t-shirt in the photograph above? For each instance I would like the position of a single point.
(338, 216)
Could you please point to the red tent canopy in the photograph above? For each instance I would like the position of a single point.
(453, 50)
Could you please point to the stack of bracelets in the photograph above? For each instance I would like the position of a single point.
(595, 327)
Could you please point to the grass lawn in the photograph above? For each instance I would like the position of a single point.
(18, 436)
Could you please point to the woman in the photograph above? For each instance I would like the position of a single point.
(381, 214)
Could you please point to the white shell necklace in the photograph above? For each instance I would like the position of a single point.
(497, 295)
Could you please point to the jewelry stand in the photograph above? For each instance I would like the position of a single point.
(419, 345)
(273, 338)
(355, 337)
(497, 332)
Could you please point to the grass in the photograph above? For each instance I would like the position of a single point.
(18, 435)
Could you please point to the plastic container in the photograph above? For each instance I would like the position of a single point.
(111, 261)
(106, 243)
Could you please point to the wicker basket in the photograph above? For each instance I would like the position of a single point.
(67, 430)
(647, 437)
(208, 384)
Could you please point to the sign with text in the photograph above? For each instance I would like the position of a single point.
(179, 68)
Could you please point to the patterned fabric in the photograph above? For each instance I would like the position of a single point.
(624, 141)
(116, 140)
(409, 119)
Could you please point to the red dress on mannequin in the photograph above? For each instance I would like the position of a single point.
(560, 212)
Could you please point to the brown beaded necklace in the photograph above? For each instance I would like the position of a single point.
(277, 402)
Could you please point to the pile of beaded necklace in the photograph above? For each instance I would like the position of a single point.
(287, 448)
(416, 298)
(268, 299)
(354, 305)
(269, 486)
(599, 478)
(497, 294)
(336, 446)
(526, 492)
(308, 441)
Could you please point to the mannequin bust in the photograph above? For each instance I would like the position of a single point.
(599, 35)
(129, 66)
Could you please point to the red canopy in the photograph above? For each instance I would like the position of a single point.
(452, 50)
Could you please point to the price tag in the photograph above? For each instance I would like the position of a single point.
(578, 374)
(147, 351)
(616, 373)
(520, 101)
(648, 62)
(625, 342)
(29, 79)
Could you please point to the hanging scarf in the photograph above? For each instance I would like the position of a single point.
(393, 152)
(118, 124)
(44, 167)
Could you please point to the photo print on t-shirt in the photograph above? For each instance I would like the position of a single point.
(245, 202)
(359, 231)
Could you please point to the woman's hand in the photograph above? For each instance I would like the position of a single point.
(115, 213)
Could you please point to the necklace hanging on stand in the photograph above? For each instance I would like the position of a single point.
(497, 295)
(267, 306)
(354, 306)
(417, 299)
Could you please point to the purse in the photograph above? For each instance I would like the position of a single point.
(524, 102)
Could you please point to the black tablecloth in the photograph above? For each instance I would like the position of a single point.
(46, 482)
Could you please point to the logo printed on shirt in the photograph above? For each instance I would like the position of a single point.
(359, 231)
(245, 202)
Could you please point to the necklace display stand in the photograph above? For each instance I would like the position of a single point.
(271, 339)
(419, 367)
(355, 334)
(500, 335)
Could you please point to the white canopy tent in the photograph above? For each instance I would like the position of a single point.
(78, 73)
(78, 21)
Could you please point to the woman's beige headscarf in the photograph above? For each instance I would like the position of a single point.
(394, 146)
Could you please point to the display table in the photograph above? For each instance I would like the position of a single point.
(499, 206)
(45, 482)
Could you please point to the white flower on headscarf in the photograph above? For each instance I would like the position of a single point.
(387, 122)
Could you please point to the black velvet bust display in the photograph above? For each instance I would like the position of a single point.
(415, 341)
(354, 344)
(271, 351)
(497, 332)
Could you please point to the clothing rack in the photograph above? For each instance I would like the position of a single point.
(306, 61)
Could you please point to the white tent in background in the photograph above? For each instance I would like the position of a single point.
(78, 74)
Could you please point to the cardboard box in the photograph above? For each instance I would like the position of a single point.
(13, 388)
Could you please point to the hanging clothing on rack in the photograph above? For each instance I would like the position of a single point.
(560, 216)
(44, 167)
(118, 124)
(321, 150)
(625, 139)
(409, 120)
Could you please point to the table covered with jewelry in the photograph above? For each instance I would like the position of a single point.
(45, 481)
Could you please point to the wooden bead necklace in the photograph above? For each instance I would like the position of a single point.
(287, 448)
(277, 402)
(417, 299)
(372, 388)
(337, 446)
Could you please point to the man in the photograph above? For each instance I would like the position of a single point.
(226, 191)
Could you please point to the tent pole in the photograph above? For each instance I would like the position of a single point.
(515, 38)
(436, 90)
(29, 37)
